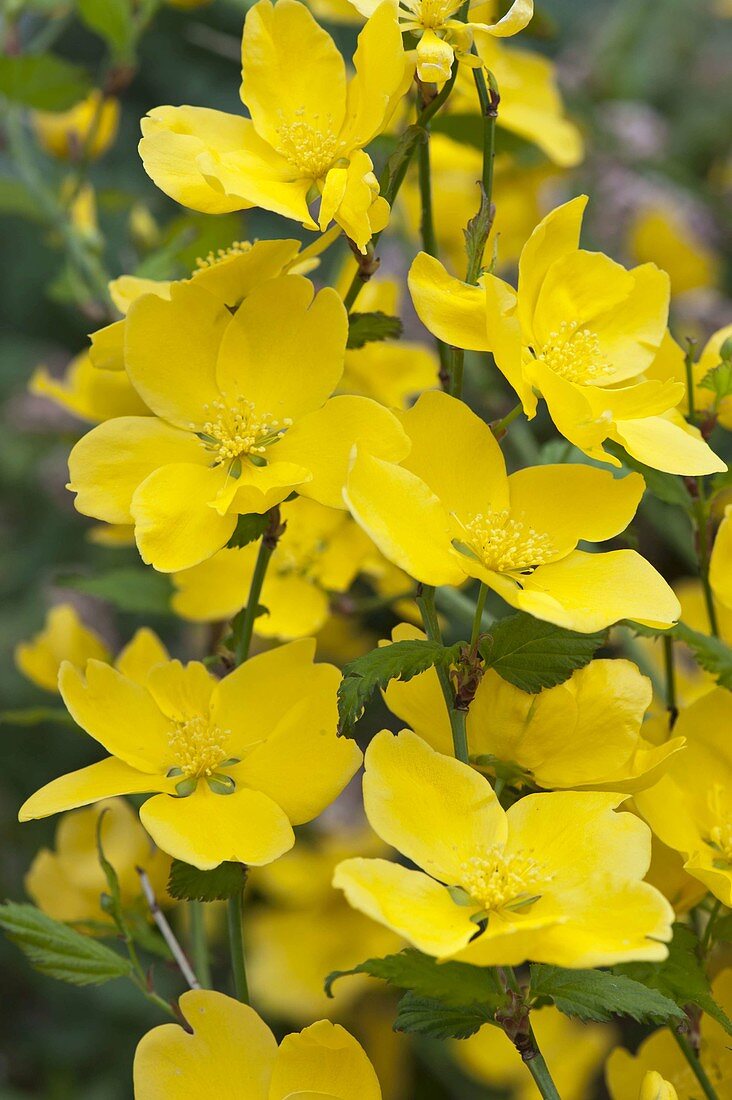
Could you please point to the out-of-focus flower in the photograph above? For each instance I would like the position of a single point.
(89, 393)
(654, 1087)
(667, 874)
(232, 764)
(669, 364)
(64, 638)
(87, 129)
(720, 564)
(229, 1050)
(661, 236)
(67, 882)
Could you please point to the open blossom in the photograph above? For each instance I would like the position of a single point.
(557, 878)
(309, 124)
(579, 331)
(231, 764)
(449, 511)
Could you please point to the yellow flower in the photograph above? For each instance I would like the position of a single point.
(720, 564)
(229, 1051)
(242, 417)
(669, 364)
(288, 954)
(89, 393)
(449, 511)
(574, 1051)
(584, 733)
(690, 808)
(236, 762)
(502, 887)
(67, 883)
(654, 1087)
(307, 132)
(65, 133)
(661, 235)
(625, 1073)
(579, 331)
(667, 874)
(63, 638)
(321, 551)
(442, 37)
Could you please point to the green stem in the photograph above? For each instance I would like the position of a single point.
(707, 937)
(426, 602)
(489, 101)
(539, 1070)
(478, 617)
(199, 945)
(269, 541)
(689, 367)
(704, 555)
(500, 427)
(427, 228)
(696, 1067)
(235, 912)
(670, 668)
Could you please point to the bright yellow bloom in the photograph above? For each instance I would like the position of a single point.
(502, 887)
(236, 762)
(89, 393)
(288, 951)
(584, 733)
(669, 364)
(242, 417)
(667, 874)
(321, 551)
(574, 1051)
(442, 37)
(449, 511)
(579, 331)
(654, 1087)
(230, 1053)
(68, 882)
(307, 132)
(65, 133)
(690, 808)
(63, 638)
(625, 1073)
(660, 235)
(720, 564)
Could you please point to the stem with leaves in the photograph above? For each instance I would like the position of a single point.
(245, 630)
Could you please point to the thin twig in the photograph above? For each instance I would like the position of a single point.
(166, 931)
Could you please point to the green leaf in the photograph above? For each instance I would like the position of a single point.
(666, 487)
(681, 976)
(599, 995)
(532, 654)
(714, 655)
(425, 1016)
(719, 380)
(128, 588)
(365, 328)
(249, 528)
(36, 716)
(398, 661)
(58, 951)
(452, 983)
(113, 21)
(188, 883)
(42, 81)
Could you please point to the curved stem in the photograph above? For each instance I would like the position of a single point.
(426, 602)
(269, 541)
(235, 907)
(704, 551)
(696, 1067)
(539, 1070)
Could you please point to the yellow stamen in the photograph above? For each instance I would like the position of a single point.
(309, 148)
(506, 543)
(497, 881)
(575, 354)
(198, 748)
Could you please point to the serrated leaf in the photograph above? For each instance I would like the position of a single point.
(249, 528)
(719, 380)
(426, 1016)
(113, 21)
(42, 81)
(714, 655)
(128, 588)
(58, 951)
(452, 983)
(669, 488)
(398, 661)
(365, 328)
(681, 976)
(532, 654)
(600, 995)
(36, 716)
(188, 883)
(476, 233)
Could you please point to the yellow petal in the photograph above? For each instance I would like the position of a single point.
(296, 608)
(504, 334)
(655, 1087)
(518, 16)
(555, 236)
(107, 347)
(206, 829)
(631, 333)
(128, 288)
(410, 793)
(379, 75)
(259, 488)
(232, 276)
(720, 565)
(420, 703)
(103, 780)
(435, 58)
(181, 691)
(89, 393)
(351, 203)
(450, 309)
(579, 287)
(142, 653)
(408, 902)
(63, 638)
(323, 1061)
(660, 443)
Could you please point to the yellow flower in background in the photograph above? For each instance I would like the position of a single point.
(242, 417)
(305, 930)
(670, 364)
(449, 512)
(68, 881)
(442, 37)
(667, 874)
(502, 887)
(64, 638)
(654, 1087)
(625, 1073)
(690, 808)
(88, 128)
(229, 1052)
(308, 128)
(584, 733)
(89, 393)
(574, 1051)
(321, 551)
(661, 235)
(579, 331)
(236, 762)
(720, 564)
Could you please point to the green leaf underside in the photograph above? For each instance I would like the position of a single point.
(425, 1016)
(599, 995)
(127, 588)
(249, 528)
(112, 20)
(58, 951)
(365, 328)
(188, 883)
(714, 655)
(532, 654)
(718, 380)
(42, 81)
(452, 983)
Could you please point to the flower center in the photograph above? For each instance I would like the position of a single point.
(574, 353)
(504, 542)
(198, 748)
(310, 149)
(236, 248)
(238, 431)
(720, 834)
(429, 14)
(499, 882)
